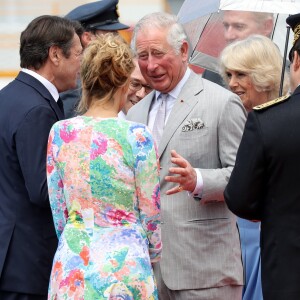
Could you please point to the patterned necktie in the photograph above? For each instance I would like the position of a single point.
(60, 105)
(159, 122)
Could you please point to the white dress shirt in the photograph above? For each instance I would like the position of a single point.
(121, 115)
(46, 83)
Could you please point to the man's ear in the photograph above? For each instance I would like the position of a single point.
(55, 54)
(184, 50)
(296, 61)
(85, 38)
(268, 27)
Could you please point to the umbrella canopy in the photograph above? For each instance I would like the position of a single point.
(203, 22)
(271, 6)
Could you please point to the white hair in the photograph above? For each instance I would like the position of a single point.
(175, 36)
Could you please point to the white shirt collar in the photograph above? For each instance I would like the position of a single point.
(46, 83)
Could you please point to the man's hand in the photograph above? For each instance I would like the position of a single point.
(184, 174)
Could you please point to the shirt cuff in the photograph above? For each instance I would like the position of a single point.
(197, 193)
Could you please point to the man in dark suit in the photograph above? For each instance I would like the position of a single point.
(264, 184)
(96, 18)
(50, 52)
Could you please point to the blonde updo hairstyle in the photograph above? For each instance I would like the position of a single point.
(106, 66)
(259, 58)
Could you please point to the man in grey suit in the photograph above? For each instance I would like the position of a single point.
(197, 144)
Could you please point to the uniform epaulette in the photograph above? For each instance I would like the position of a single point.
(272, 102)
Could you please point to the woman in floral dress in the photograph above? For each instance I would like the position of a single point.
(103, 185)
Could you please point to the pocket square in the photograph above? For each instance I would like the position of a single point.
(192, 124)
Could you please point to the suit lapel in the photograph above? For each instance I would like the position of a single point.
(142, 116)
(56, 108)
(184, 104)
(41, 89)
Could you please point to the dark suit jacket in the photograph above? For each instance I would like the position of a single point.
(27, 237)
(213, 77)
(265, 185)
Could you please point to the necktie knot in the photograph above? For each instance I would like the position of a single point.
(163, 97)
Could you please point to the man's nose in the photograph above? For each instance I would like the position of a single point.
(141, 93)
(230, 34)
(152, 63)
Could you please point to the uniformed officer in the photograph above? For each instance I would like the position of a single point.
(265, 182)
(98, 17)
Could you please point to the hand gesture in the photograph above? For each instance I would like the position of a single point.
(184, 174)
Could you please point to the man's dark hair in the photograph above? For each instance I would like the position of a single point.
(42, 33)
(296, 47)
(79, 29)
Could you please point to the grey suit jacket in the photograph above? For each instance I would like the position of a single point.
(201, 246)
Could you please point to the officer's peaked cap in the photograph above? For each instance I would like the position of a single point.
(101, 15)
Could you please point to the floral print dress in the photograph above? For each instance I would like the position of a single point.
(104, 193)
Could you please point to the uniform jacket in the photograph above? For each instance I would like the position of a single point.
(71, 100)
(27, 236)
(201, 247)
(264, 185)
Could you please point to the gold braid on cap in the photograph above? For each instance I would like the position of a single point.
(296, 33)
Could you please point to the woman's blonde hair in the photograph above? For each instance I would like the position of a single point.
(259, 58)
(106, 66)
